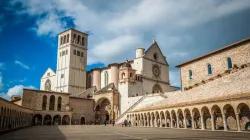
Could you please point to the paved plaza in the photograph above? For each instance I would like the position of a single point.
(101, 132)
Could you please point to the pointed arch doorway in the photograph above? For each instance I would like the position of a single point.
(83, 120)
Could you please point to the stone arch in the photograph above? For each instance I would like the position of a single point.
(196, 118)
(66, 120)
(37, 119)
(52, 102)
(157, 117)
(83, 120)
(162, 118)
(180, 119)
(188, 116)
(230, 117)
(103, 111)
(59, 103)
(57, 120)
(206, 116)
(168, 118)
(47, 120)
(174, 119)
(216, 113)
(157, 88)
(44, 104)
(243, 112)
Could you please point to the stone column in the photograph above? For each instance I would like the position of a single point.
(151, 122)
(161, 122)
(202, 122)
(185, 122)
(212, 121)
(155, 122)
(224, 122)
(171, 121)
(147, 121)
(177, 121)
(192, 118)
(238, 121)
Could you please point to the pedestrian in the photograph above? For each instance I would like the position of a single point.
(113, 122)
(129, 122)
(105, 122)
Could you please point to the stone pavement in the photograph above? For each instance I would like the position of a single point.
(100, 132)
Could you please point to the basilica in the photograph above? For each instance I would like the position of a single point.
(214, 93)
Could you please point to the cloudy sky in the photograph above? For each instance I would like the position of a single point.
(184, 29)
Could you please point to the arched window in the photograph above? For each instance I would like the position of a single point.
(67, 38)
(229, 63)
(74, 38)
(79, 39)
(157, 88)
(106, 78)
(61, 40)
(64, 39)
(190, 74)
(209, 69)
(59, 103)
(52, 102)
(47, 85)
(44, 102)
(131, 74)
(89, 81)
(123, 75)
(83, 41)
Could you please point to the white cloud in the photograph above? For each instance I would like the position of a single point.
(117, 32)
(17, 62)
(16, 90)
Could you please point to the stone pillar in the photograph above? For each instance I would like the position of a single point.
(160, 122)
(185, 122)
(238, 121)
(147, 121)
(151, 122)
(177, 121)
(171, 121)
(155, 122)
(97, 78)
(202, 122)
(212, 122)
(192, 118)
(224, 122)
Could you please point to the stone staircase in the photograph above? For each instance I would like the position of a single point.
(123, 115)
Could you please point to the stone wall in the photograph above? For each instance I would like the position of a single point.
(33, 99)
(239, 55)
(81, 107)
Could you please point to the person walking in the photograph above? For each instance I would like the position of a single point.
(105, 122)
(113, 122)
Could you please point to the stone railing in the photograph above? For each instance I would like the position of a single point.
(130, 108)
(13, 116)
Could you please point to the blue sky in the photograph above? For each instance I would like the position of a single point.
(183, 30)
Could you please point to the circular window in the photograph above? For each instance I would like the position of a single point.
(156, 70)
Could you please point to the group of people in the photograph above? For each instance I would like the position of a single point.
(109, 122)
(126, 123)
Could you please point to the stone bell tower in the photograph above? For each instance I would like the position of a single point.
(71, 61)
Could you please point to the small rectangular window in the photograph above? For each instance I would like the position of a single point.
(60, 53)
(62, 75)
(66, 52)
(48, 74)
(63, 53)
(74, 52)
(81, 54)
(78, 53)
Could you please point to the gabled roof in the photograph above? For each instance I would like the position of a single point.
(237, 44)
(48, 70)
(152, 46)
(105, 89)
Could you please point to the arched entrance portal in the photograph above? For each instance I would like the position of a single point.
(57, 120)
(65, 120)
(37, 119)
(82, 120)
(47, 120)
(103, 111)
